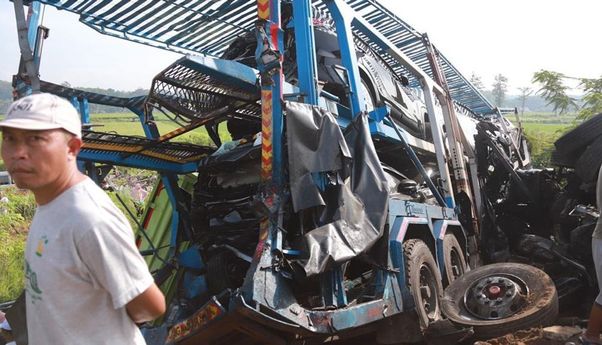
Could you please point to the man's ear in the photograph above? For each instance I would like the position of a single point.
(74, 145)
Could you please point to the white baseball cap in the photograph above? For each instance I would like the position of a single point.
(43, 111)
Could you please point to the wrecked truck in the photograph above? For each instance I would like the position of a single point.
(352, 174)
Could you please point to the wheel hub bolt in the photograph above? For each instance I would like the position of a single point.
(494, 291)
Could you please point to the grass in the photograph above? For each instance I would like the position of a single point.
(548, 128)
(15, 218)
(12, 257)
(128, 124)
(542, 130)
(546, 118)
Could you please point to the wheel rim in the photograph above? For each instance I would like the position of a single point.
(428, 293)
(496, 296)
(457, 268)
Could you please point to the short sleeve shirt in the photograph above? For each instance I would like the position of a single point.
(82, 268)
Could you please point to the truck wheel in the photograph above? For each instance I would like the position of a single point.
(581, 135)
(588, 164)
(501, 298)
(424, 281)
(453, 258)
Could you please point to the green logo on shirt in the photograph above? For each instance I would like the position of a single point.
(32, 282)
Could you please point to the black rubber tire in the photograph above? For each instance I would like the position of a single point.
(581, 136)
(588, 164)
(419, 259)
(565, 159)
(541, 308)
(453, 258)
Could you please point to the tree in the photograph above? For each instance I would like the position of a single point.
(500, 86)
(476, 81)
(592, 98)
(554, 91)
(524, 93)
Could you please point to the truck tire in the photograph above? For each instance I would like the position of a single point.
(534, 300)
(565, 159)
(424, 281)
(453, 258)
(588, 164)
(581, 136)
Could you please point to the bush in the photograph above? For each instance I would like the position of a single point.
(16, 215)
(12, 257)
(15, 218)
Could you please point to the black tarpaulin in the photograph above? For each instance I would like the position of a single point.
(315, 144)
(354, 197)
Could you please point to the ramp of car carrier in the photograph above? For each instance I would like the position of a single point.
(208, 27)
(141, 153)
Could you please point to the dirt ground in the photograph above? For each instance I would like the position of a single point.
(556, 335)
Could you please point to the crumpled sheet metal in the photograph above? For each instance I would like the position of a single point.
(356, 221)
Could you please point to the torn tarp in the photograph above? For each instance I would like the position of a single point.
(315, 144)
(355, 194)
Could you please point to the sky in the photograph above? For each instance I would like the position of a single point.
(513, 37)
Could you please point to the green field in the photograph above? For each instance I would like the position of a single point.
(546, 118)
(127, 123)
(542, 130)
(548, 128)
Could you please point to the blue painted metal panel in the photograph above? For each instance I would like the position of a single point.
(439, 230)
(149, 127)
(34, 21)
(84, 111)
(74, 103)
(348, 55)
(306, 56)
(136, 161)
(379, 113)
(396, 239)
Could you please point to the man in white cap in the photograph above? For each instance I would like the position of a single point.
(86, 282)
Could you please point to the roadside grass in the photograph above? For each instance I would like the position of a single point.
(546, 118)
(12, 257)
(127, 123)
(15, 217)
(548, 128)
(542, 130)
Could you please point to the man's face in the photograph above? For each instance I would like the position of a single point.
(37, 160)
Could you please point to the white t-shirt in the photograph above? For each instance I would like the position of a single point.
(598, 229)
(82, 268)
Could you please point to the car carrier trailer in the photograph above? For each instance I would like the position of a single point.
(348, 194)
